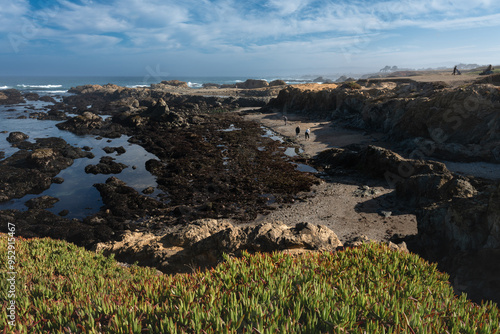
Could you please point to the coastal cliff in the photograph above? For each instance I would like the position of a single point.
(430, 118)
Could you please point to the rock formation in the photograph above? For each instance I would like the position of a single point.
(458, 123)
(202, 243)
(458, 217)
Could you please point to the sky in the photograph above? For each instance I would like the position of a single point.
(234, 38)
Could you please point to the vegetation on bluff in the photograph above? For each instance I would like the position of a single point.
(66, 289)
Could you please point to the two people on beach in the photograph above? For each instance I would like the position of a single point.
(297, 130)
(307, 133)
(456, 71)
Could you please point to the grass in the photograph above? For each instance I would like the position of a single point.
(61, 288)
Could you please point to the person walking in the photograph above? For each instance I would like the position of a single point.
(297, 131)
(285, 119)
(308, 132)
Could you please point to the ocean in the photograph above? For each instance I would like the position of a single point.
(61, 84)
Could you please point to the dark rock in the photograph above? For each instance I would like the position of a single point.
(43, 202)
(118, 150)
(322, 80)
(33, 167)
(47, 98)
(36, 223)
(11, 96)
(16, 137)
(175, 83)
(148, 191)
(58, 180)
(106, 165)
(211, 85)
(31, 96)
(63, 213)
(275, 83)
(252, 84)
(124, 201)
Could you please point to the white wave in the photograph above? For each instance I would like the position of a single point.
(39, 86)
(194, 84)
(51, 91)
(4, 87)
(137, 86)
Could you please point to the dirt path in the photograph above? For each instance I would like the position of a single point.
(341, 203)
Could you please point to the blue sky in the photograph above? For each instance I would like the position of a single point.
(252, 38)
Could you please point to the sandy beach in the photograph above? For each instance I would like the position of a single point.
(336, 202)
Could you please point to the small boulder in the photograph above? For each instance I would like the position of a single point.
(277, 83)
(16, 137)
(43, 202)
(252, 84)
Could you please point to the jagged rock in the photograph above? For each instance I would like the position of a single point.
(148, 190)
(124, 201)
(16, 137)
(43, 202)
(210, 85)
(187, 236)
(47, 98)
(119, 150)
(461, 123)
(33, 167)
(31, 96)
(275, 83)
(106, 165)
(252, 84)
(11, 96)
(202, 243)
(175, 83)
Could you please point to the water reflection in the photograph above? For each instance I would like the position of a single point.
(77, 193)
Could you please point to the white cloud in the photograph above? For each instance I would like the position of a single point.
(11, 15)
(287, 7)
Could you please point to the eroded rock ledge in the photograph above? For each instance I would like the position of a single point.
(203, 242)
(430, 118)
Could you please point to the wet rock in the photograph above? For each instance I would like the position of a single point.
(63, 213)
(58, 180)
(36, 223)
(124, 201)
(106, 165)
(148, 190)
(31, 96)
(47, 98)
(33, 167)
(43, 202)
(2, 155)
(11, 96)
(16, 137)
(118, 150)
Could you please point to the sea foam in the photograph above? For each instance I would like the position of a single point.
(39, 86)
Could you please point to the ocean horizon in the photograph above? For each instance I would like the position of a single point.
(61, 84)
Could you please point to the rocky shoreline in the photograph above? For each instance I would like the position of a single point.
(220, 176)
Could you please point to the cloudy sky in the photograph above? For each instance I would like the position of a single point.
(252, 37)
